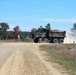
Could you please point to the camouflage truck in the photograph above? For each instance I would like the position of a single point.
(53, 36)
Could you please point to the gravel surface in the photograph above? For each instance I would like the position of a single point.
(24, 59)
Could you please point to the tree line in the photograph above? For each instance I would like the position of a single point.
(16, 33)
(5, 34)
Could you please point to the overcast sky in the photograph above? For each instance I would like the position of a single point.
(28, 14)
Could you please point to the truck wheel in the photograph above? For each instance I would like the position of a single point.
(40, 40)
(55, 40)
(36, 40)
(61, 40)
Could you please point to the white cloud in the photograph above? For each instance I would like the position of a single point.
(69, 20)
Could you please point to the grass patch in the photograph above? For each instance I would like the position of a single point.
(28, 40)
(63, 54)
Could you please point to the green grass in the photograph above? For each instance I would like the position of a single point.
(55, 55)
(28, 40)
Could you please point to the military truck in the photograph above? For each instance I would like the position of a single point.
(53, 36)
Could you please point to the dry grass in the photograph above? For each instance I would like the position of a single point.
(64, 54)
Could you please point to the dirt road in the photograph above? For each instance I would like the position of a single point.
(23, 59)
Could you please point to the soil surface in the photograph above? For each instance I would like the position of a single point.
(24, 59)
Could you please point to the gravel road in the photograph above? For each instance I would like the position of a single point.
(23, 59)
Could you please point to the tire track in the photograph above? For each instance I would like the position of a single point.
(18, 64)
(25, 59)
(5, 70)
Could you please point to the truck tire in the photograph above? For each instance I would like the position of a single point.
(61, 40)
(40, 40)
(55, 40)
(36, 40)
